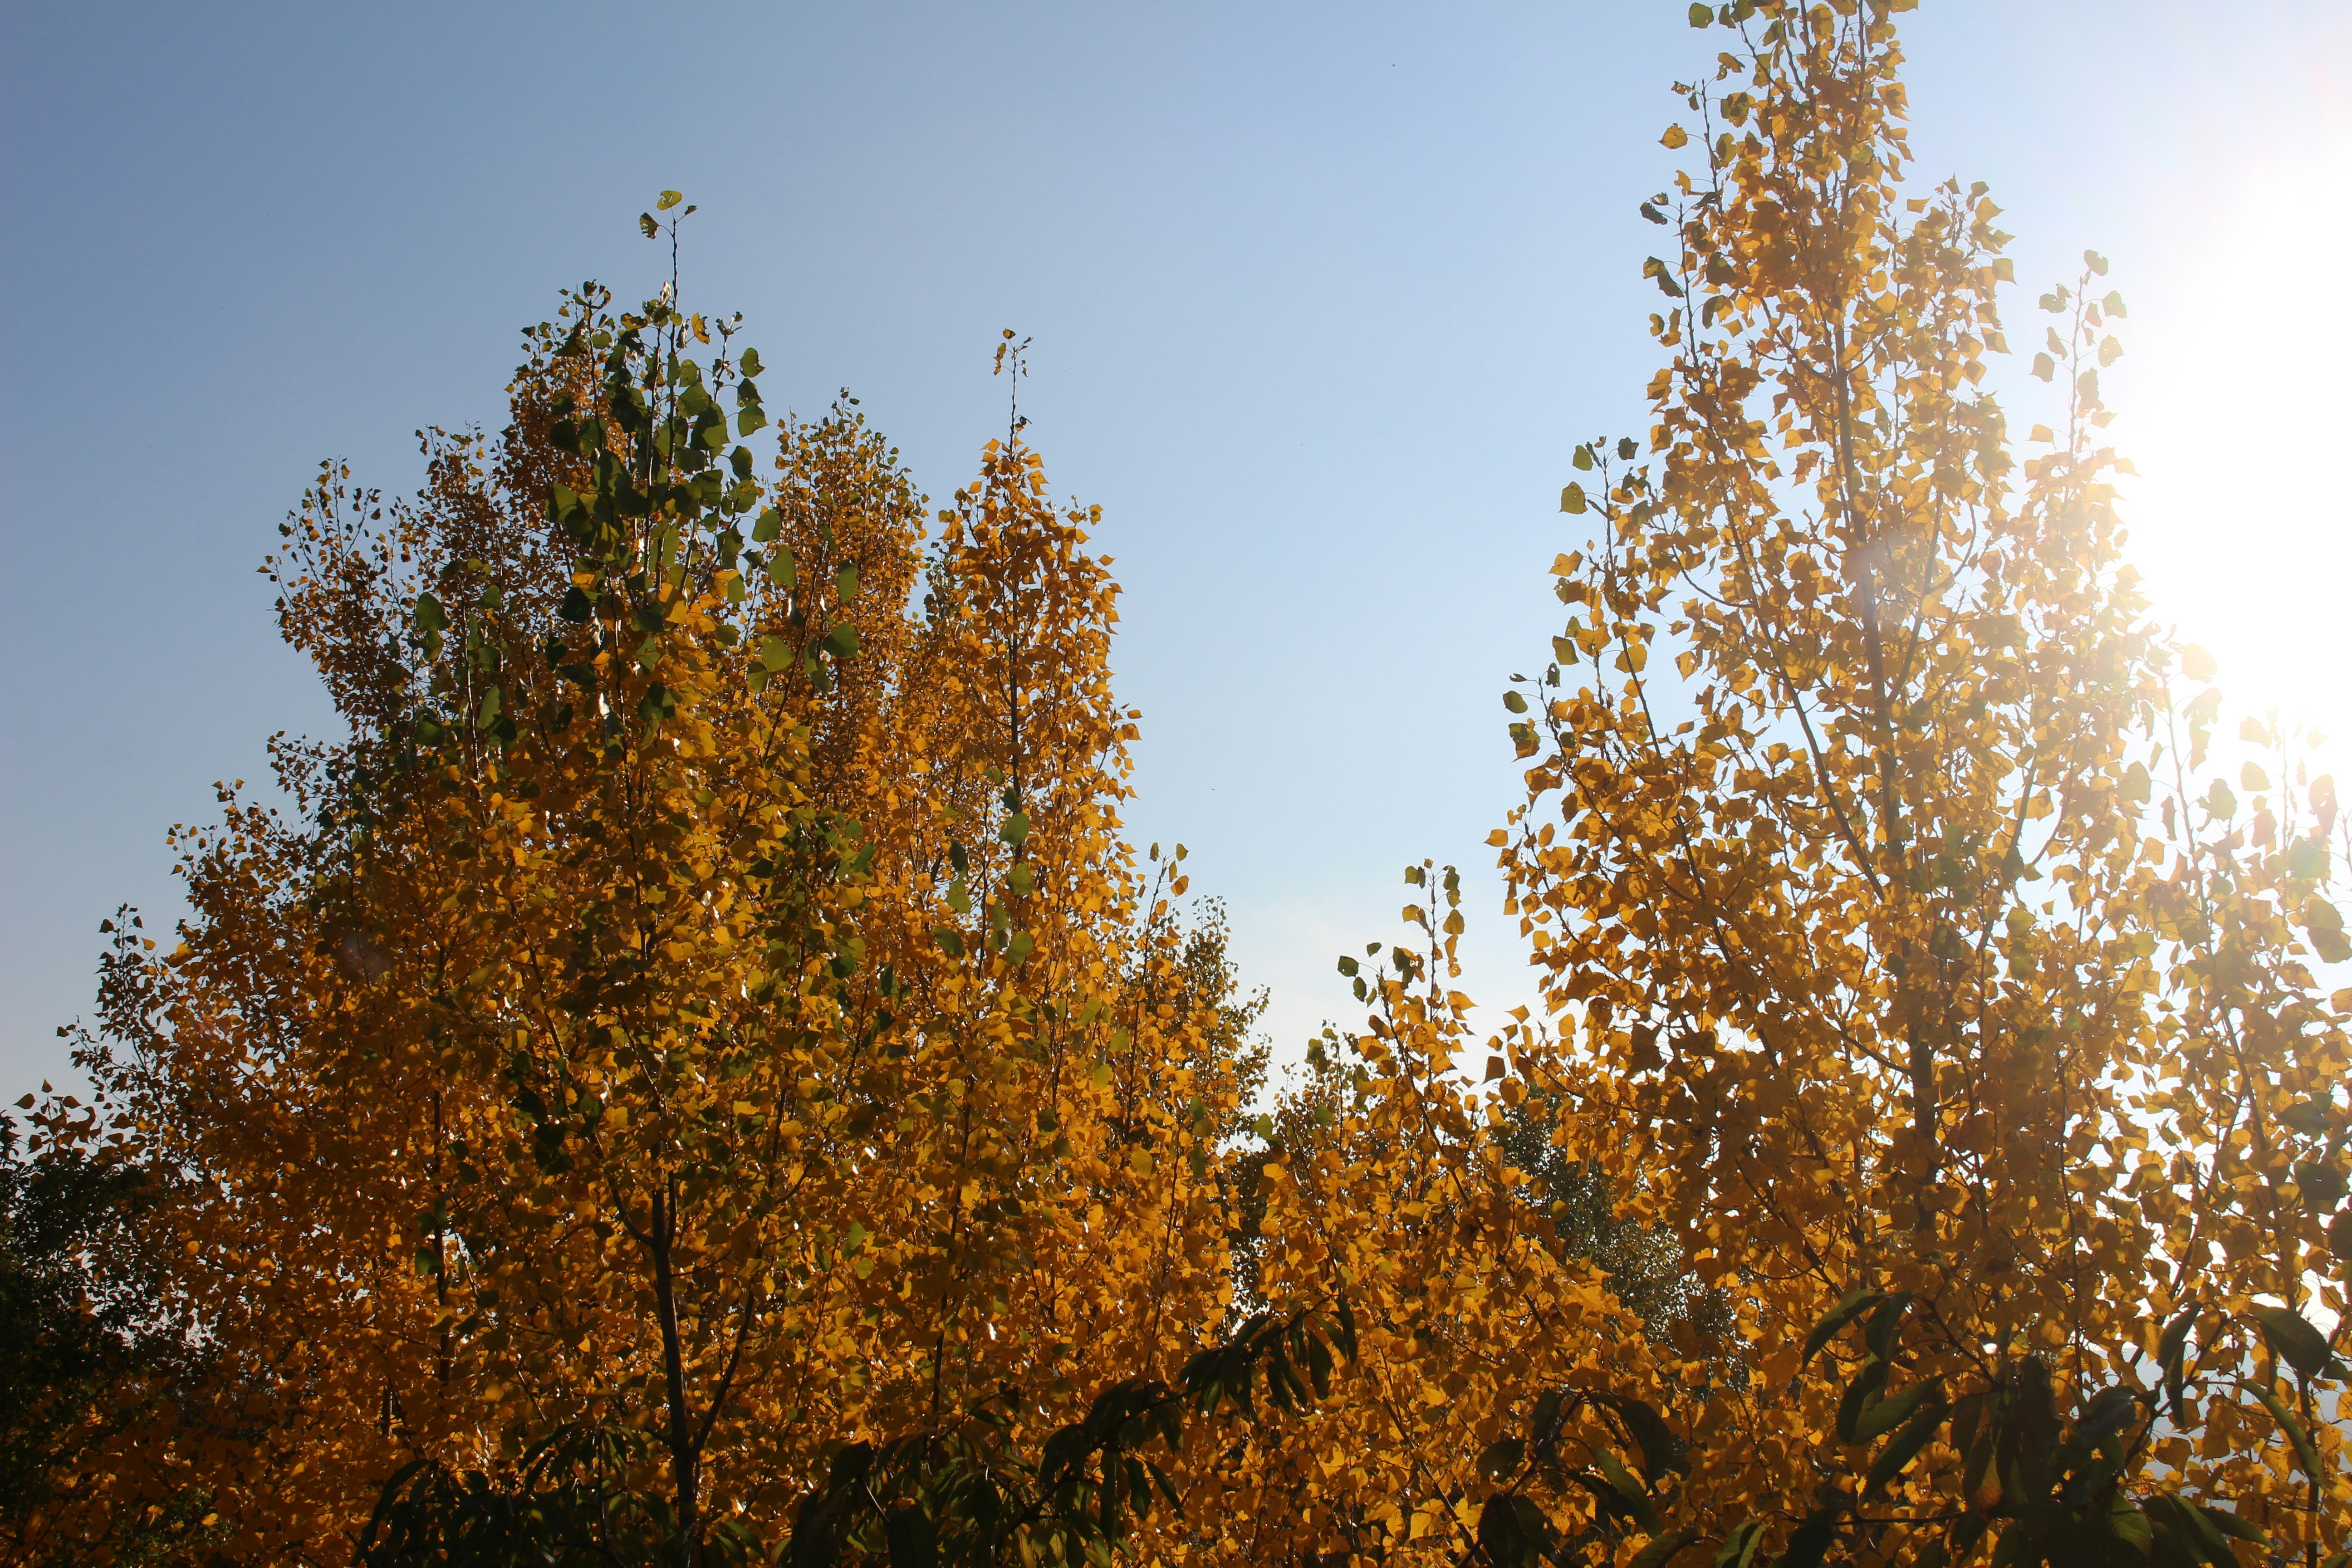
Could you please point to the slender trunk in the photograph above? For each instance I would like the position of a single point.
(1863, 571)
(681, 1424)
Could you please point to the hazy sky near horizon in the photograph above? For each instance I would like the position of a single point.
(1322, 296)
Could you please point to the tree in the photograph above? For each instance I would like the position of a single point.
(2007, 1111)
(1910, 974)
(86, 1373)
(1644, 1262)
(705, 1079)
(705, 1020)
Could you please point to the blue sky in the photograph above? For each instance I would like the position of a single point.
(1322, 296)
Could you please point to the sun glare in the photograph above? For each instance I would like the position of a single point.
(2238, 422)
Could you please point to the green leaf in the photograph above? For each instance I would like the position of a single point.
(2231, 1525)
(1625, 448)
(774, 654)
(2295, 1340)
(2126, 1523)
(646, 225)
(1838, 1317)
(489, 710)
(1501, 1541)
(2308, 1117)
(1662, 1451)
(2305, 1454)
(1572, 500)
(949, 939)
(1500, 1459)
(2174, 1341)
(2172, 1349)
(2110, 1411)
(1662, 1548)
(783, 570)
(658, 704)
(668, 200)
(748, 418)
(1015, 828)
(430, 616)
(577, 606)
(2191, 1530)
(766, 527)
(1740, 1546)
(751, 362)
(1514, 702)
(1702, 15)
(842, 642)
(1884, 1324)
(1621, 1481)
(1907, 1444)
(1884, 1414)
(1859, 1394)
(1583, 459)
(1563, 650)
(844, 584)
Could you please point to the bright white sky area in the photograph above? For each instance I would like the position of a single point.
(2239, 420)
(1322, 298)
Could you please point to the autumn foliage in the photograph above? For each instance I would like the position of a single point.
(700, 1076)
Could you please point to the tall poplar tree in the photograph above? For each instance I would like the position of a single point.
(1908, 965)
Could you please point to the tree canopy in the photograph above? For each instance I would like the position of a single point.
(698, 1074)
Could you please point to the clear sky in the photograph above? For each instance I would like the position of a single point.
(1322, 296)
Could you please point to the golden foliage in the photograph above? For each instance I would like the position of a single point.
(710, 1002)
(707, 1076)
